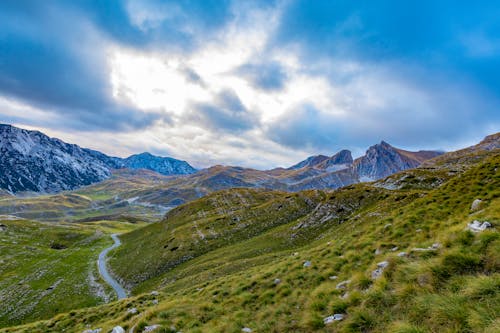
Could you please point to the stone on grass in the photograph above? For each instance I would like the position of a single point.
(150, 328)
(331, 319)
(477, 226)
(307, 263)
(378, 251)
(476, 205)
(246, 329)
(343, 284)
(97, 330)
(383, 264)
(132, 311)
(380, 269)
(155, 293)
(118, 329)
(402, 254)
(345, 295)
(333, 277)
(394, 249)
(277, 281)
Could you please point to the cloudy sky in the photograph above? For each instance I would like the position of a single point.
(252, 83)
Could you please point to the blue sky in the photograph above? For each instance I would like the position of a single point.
(252, 83)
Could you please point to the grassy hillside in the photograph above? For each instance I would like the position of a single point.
(210, 223)
(391, 256)
(46, 269)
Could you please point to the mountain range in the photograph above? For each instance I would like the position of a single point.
(31, 161)
(416, 251)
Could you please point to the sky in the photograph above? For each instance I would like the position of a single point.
(252, 83)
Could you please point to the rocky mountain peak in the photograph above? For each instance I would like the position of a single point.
(342, 157)
(309, 162)
(163, 165)
(382, 160)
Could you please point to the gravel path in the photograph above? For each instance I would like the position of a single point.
(101, 263)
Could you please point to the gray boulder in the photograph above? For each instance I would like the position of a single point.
(477, 226)
(118, 329)
(476, 205)
(331, 319)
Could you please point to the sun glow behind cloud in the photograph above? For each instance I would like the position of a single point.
(164, 80)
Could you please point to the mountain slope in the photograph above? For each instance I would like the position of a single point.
(382, 160)
(31, 161)
(163, 165)
(386, 260)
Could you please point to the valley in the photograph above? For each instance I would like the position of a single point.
(392, 255)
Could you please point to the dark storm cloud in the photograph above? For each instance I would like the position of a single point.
(226, 114)
(304, 127)
(53, 56)
(266, 76)
(442, 115)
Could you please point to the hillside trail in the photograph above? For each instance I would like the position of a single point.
(103, 270)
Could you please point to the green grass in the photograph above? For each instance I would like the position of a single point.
(47, 269)
(226, 280)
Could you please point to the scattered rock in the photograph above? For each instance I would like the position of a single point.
(476, 205)
(477, 226)
(97, 330)
(295, 254)
(388, 225)
(433, 247)
(155, 302)
(377, 252)
(380, 269)
(394, 249)
(155, 293)
(277, 281)
(118, 329)
(344, 296)
(402, 254)
(333, 277)
(383, 264)
(246, 329)
(343, 284)
(307, 263)
(418, 230)
(331, 319)
(132, 311)
(3, 227)
(150, 328)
